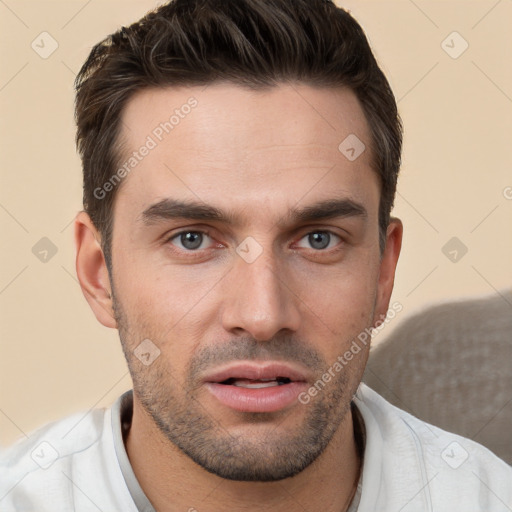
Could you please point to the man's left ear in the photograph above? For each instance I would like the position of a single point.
(389, 260)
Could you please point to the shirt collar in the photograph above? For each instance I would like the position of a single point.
(122, 412)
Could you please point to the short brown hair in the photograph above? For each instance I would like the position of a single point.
(251, 43)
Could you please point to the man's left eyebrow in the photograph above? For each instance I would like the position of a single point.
(327, 209)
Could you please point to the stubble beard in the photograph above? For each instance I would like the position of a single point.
(275, 453)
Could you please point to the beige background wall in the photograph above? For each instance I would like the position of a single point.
(456, 182)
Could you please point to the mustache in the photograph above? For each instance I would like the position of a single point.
(282, 348)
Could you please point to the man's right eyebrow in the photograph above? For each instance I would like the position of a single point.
(168, 209)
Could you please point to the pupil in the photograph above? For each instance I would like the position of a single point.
(319, 240)
(191, 240)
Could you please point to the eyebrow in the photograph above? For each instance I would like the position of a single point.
(169, 209)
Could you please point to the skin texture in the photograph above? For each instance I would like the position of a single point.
(256, 155)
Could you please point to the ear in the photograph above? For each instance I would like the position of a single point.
(389, 260)
(92, 271)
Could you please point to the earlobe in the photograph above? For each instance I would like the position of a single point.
(92, 270)
(388, 264)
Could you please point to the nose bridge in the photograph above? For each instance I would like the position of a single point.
(261, 278)
(261, 302)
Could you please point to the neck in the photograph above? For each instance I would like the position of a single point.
(172, 481)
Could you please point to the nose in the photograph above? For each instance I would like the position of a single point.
(260, 299)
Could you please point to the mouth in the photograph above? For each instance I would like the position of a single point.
(252, 387)
(256, 384)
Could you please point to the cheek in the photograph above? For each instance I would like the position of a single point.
(340, 305)
(150, 290)
(167, 305)
(342, 292)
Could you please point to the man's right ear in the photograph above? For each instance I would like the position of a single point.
(92, 271)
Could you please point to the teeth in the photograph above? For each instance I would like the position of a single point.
(255, 384)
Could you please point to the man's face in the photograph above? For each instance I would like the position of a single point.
(248, 309)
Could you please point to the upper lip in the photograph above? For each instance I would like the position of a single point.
(255, 371)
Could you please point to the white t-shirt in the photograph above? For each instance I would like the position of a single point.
(80, 464)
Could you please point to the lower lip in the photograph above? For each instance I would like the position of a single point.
(270, 399)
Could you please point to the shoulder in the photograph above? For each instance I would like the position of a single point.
(43, 464)
(445, 470)
(56, 441)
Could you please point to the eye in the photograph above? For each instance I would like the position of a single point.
(190, 240)
(320, 240)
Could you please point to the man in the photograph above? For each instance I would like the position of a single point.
(240, 160)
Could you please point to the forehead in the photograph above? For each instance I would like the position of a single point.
(227, 144)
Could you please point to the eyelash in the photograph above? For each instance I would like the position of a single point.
(192, 253)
